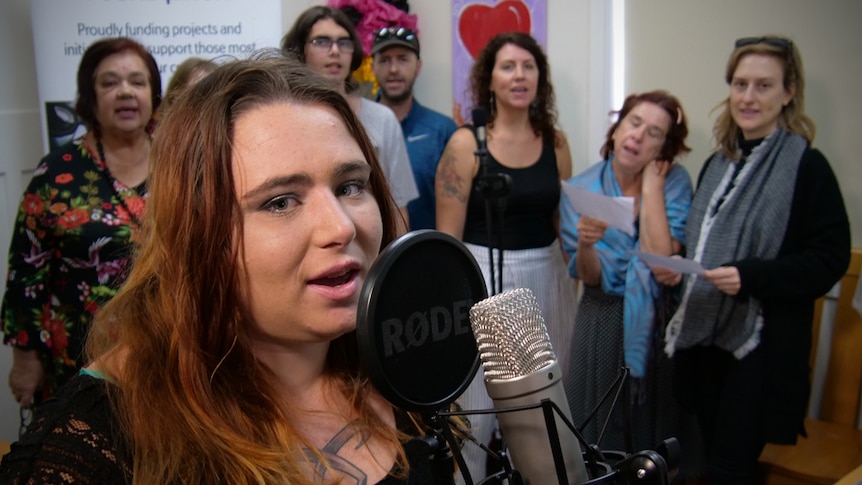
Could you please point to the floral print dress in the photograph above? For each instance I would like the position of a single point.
(68, 256)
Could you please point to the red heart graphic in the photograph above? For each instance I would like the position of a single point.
(479, 23)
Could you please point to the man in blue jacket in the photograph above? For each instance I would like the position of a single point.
(396, 65)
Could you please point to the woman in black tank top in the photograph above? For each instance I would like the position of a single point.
(511, 81)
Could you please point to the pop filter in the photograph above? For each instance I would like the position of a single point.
(413, 323)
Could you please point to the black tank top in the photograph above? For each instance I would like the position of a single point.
(529, 208)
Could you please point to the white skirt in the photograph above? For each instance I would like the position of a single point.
(543, 271)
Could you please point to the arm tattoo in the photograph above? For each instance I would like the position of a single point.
(451, 181)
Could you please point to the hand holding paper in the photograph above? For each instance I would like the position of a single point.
(617, 212)
(590, 230)
(679, 265)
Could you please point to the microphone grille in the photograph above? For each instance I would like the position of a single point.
(511, 335)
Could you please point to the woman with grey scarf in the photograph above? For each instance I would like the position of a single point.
(769, 223)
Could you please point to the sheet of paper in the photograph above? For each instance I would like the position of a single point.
(618, 212)
(679, 265)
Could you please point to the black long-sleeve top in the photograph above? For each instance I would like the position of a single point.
(814, 255)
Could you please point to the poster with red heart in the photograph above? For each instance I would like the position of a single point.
(474, 23)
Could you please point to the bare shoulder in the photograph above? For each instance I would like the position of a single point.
(560, 140)
(463, 140)
(455, 171)
(459, 151)
(564, 155)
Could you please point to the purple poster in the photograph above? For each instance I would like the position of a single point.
(474, 23)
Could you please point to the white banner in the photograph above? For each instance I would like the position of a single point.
(172, 30)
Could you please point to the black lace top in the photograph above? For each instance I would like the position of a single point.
(71, 440)
(74, 440)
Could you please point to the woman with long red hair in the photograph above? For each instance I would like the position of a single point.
(229, 356)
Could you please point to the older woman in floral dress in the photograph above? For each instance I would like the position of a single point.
(73, 230)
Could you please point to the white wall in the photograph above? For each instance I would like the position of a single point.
(21, 146)
(683, 46)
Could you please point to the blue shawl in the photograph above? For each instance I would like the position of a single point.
(624, 274)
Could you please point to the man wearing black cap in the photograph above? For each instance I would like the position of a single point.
(396, 65)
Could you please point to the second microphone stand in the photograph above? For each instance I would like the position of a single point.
(494, 188)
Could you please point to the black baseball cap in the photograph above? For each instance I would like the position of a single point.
(394, 36)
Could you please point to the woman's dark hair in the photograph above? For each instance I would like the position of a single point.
(295, 39)
(674, 142)
(85, 105)
(543, 112)
(185, 72)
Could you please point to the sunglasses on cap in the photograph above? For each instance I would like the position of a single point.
(401, 33)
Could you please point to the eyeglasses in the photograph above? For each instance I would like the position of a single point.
(777, 42)
(345, 44)
(401, 33)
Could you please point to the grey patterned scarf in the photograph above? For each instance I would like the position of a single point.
(750, 223)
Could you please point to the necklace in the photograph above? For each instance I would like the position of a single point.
(113, 183)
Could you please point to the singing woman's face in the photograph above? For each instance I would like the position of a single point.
(123, 94)
(640, 136)
(311, 226)
(515, 77)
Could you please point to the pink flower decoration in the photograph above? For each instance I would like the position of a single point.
(376, 14)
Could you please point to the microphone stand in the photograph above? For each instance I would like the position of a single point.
(646, 467)
(501, 456)
(441, 458)
(494, 187)
(439, 444)
(445, 449)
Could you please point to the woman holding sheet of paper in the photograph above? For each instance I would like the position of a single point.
(622, 301)
(769, 224)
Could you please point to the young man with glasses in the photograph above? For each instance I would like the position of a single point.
(325, 39)
(396, 65)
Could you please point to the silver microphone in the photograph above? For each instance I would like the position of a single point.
(521, 369)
